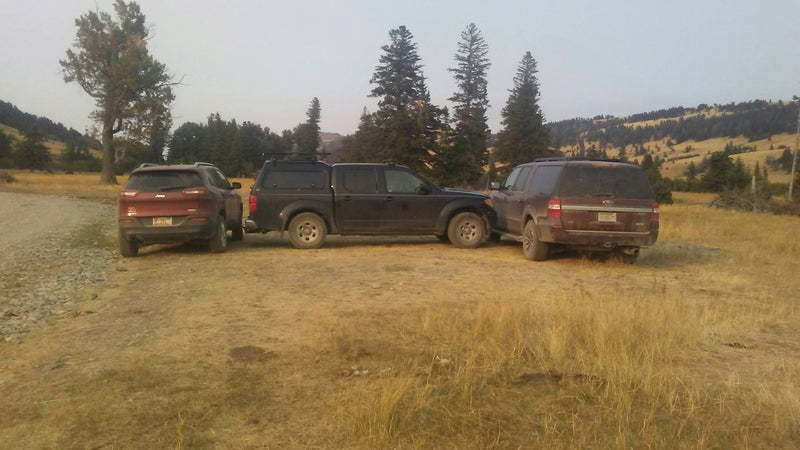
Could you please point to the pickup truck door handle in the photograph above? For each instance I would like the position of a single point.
(389, 198)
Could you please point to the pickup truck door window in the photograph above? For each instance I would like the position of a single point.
(358, 202)
(409, 204)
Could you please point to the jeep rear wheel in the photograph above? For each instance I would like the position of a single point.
(127, 248)
(219, 242)
(532, 247)
(466, 230)
(307, 231)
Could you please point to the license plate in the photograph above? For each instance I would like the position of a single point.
(606, 217)
(162, 221)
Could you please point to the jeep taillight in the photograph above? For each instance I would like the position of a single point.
(554, 208)
(656, 213)
(253, 203)
(128, 193)
(198, 191)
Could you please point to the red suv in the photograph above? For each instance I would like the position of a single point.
(605, 207)
(178, 203)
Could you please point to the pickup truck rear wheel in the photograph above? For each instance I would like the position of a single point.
(466, 230)
(307, 231)
(532, 247)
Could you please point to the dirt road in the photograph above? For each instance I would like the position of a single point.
(240, 346)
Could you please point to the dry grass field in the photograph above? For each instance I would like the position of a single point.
(411, 343)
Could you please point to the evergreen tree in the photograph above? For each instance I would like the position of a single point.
(463, 163)
(307, 134)
(662, 187)
(111, 63)
(405, 120)
(691, 177)
(524, 136)
(247, 145)
(5, 150)
(186, 143)
(31, 153)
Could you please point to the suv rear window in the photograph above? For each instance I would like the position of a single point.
(544, 180)
(162, 180)
(294, 179)
(604, 181)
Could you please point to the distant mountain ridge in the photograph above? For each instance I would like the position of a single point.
(13, 117)
(754, 120)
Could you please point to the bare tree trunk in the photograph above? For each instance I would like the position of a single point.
(107, 174)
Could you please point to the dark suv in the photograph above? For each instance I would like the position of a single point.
(589, 205)
(178, 203)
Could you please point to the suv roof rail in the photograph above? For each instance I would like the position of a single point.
(147, 165)
(577, 158)
(200, 163)
(551, 158)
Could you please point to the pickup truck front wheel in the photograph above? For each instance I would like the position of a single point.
(307, 231)
(466, 230)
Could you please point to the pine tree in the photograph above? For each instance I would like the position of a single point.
(463, 163)
(5, 150)
(31, 153)
(307, 134)
(524, 136)
(405, 118)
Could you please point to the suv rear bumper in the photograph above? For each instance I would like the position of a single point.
(187, 228)
(597, 239)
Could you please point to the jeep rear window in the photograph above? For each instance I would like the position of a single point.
(162, 180)
(294, 179)
(605, 181)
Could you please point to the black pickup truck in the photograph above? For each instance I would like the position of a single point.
(311, 199)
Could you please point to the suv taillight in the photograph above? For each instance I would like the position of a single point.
(198, 191)
(128, 193)
(554, 208)
(656, 213)
(253, 203)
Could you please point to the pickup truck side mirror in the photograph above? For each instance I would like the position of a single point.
(423, 189)
(495, 185)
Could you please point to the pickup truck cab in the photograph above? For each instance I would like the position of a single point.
(311, 199)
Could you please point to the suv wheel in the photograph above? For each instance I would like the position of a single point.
(219, 242)
(532, 247)
(307, 231)
(127, 248)
(466, 230)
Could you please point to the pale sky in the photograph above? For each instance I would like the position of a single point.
(263, 61)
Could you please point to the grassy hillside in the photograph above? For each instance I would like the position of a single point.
(680, 136)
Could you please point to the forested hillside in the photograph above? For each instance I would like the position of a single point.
(755, 120)
(706, 148)
(12, 117)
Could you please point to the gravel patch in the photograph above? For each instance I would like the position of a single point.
(47, 259)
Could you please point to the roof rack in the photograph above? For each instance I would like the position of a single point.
(551, 158)
(200, 163)
(147, 165)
